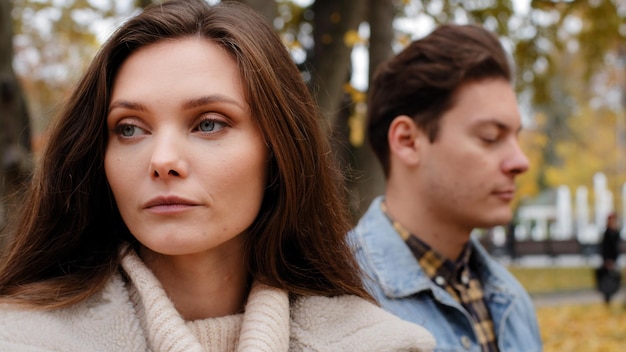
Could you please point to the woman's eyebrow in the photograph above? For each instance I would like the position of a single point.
(209, 99)
(125, 104)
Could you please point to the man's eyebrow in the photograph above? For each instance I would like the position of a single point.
(499, 124)
(209, 99)
(125, 104)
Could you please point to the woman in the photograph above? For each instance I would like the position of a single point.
(186, 202)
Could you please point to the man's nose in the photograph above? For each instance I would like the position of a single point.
(516, 162)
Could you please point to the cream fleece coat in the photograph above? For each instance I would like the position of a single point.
(110, 321)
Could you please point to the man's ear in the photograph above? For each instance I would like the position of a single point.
(405, 139)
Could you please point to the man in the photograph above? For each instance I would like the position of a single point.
(609, 247)
(608, 276)
(444, 123)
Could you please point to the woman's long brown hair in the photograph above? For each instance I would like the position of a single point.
(66, 241)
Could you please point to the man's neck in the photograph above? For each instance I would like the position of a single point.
(442, 235)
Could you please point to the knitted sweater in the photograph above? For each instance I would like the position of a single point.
(138, 316)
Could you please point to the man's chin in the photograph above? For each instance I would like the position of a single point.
(498, 218)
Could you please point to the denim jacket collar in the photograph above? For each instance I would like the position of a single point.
(388, 253)
(395, 279)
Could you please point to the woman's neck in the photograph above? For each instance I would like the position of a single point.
(202, 285)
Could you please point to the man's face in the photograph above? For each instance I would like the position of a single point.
(467, 174)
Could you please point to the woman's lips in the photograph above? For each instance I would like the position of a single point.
(169, 204)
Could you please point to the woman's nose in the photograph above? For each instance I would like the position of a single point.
(168, 159)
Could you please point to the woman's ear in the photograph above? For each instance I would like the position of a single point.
(404, 140)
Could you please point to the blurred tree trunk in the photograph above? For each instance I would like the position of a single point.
(267, 8)
(381, 15)
(330, 62)
(14, 122)
(330, 68)
(372, 181)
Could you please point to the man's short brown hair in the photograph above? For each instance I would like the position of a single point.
(421, 81)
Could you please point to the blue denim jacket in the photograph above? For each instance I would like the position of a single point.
(397, 282)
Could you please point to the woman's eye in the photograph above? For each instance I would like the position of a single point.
(128, 130)
(207, 126)
(210, 126)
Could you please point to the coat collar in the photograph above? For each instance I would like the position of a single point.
(265, 322)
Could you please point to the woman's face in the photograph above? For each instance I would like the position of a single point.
(185, 159)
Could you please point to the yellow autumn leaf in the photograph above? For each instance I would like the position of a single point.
(352, 37)
(356, 95)
(583, 328)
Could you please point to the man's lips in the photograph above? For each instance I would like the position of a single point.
(505, 194)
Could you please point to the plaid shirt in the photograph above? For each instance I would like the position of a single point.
(457, 278)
